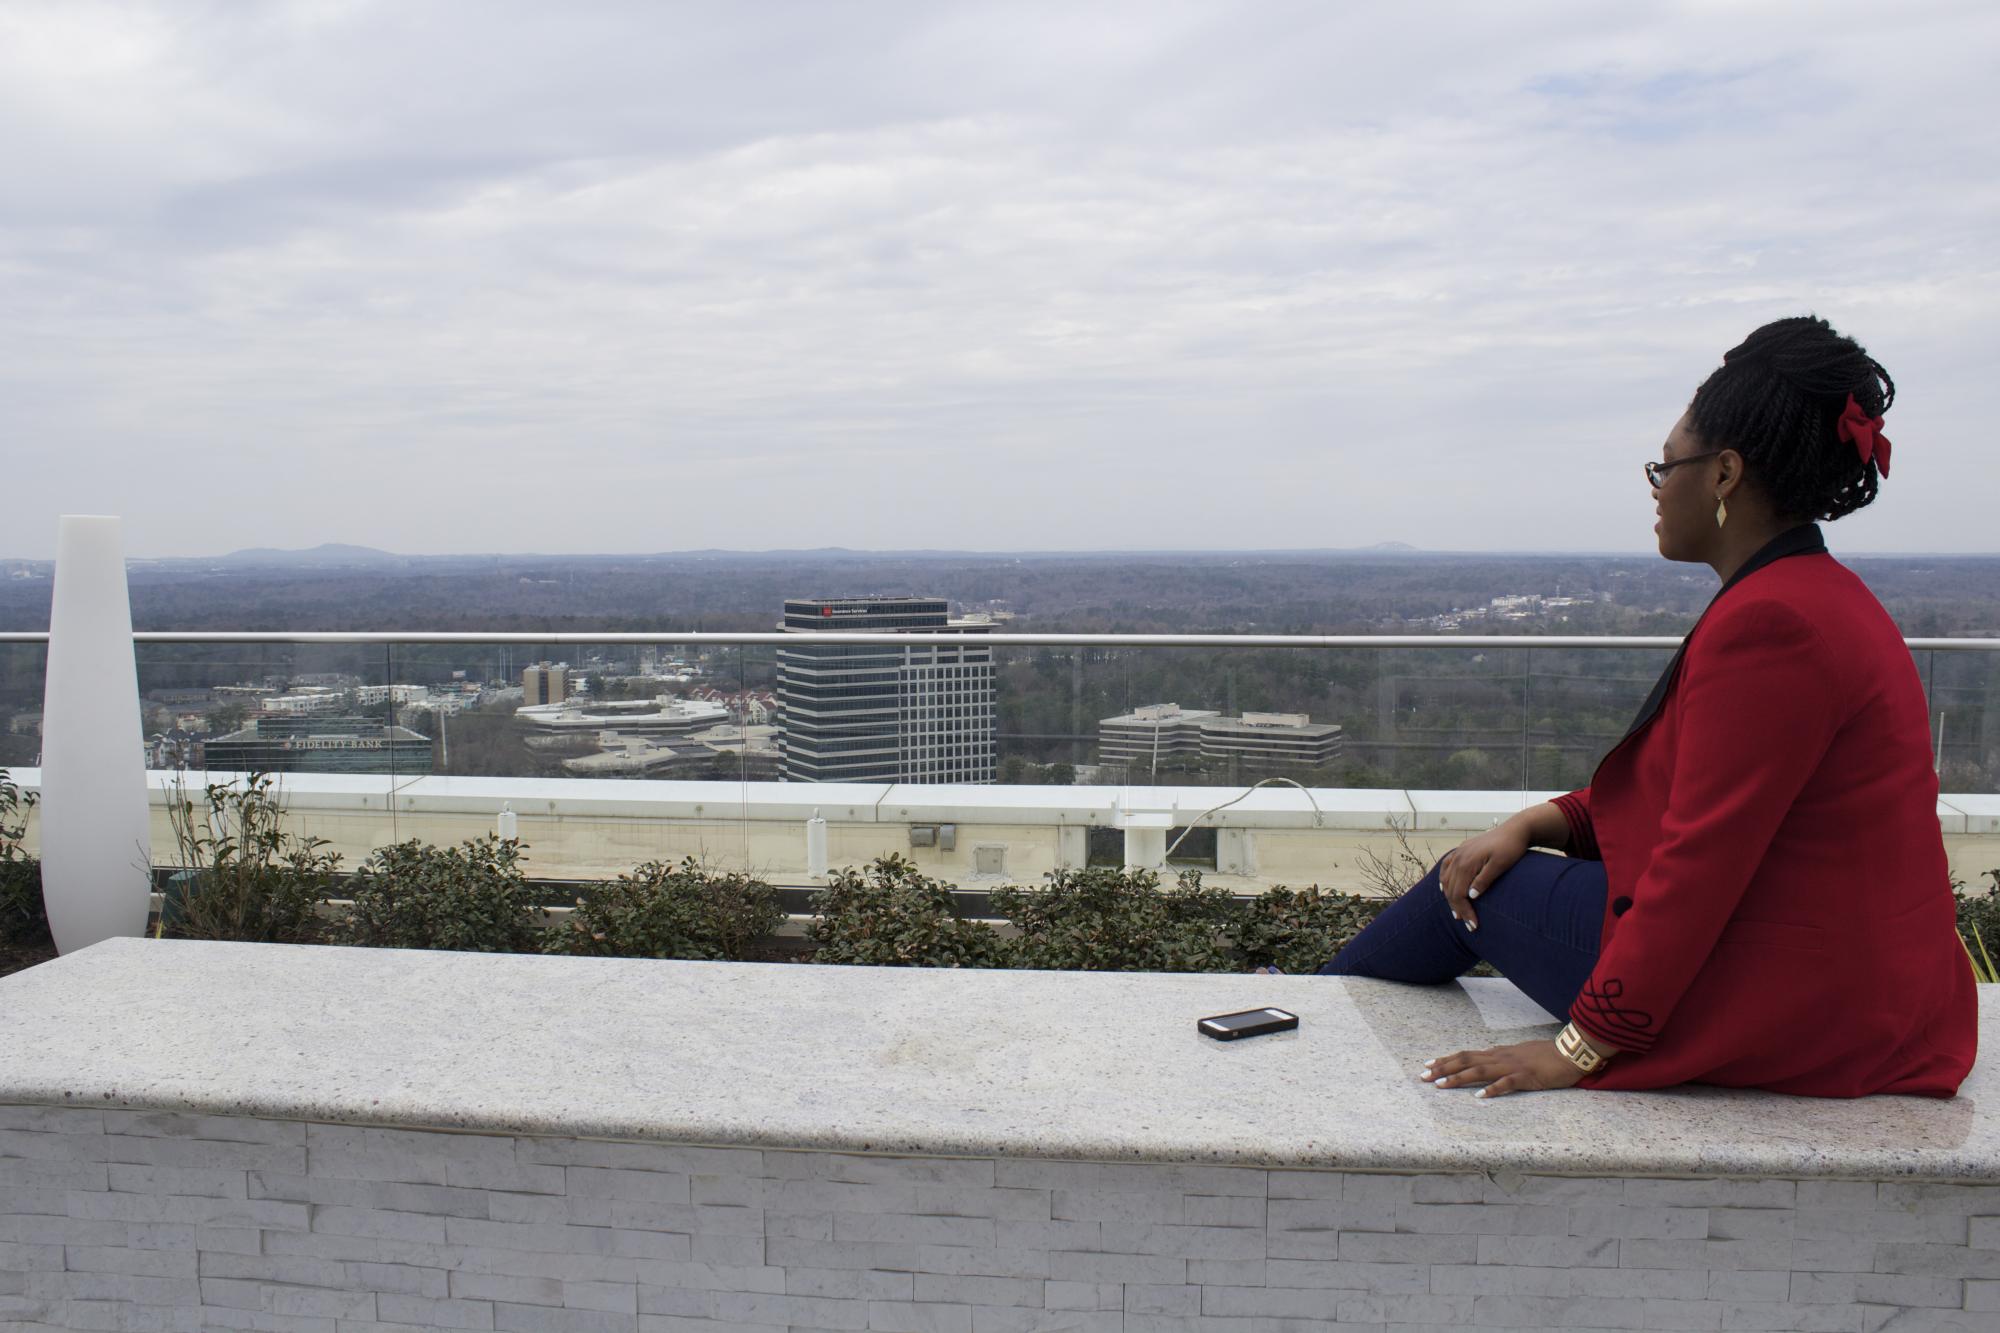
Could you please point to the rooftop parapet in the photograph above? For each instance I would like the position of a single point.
(948, 1062)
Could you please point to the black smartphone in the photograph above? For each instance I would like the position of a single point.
(1249, 1023)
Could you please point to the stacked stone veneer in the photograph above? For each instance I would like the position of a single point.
(146, 1220)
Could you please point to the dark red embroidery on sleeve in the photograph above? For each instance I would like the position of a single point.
(1628, 1029)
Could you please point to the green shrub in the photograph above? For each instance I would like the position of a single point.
(1104, 920)
(243, 877)
(893, 916)
(1298, 929)
(471, 898)
(662, 911)
(1979, 926)
(23, 919)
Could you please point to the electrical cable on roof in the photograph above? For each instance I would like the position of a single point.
(1319, 819)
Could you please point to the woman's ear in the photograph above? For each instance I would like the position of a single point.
(1729, 472)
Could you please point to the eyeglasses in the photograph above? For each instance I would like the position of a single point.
(1656, 473)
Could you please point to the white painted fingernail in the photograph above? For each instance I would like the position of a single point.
(1441, 1082)
(1473, 894)
(1480, 1093)
(1472, 925)
(1429, 1063)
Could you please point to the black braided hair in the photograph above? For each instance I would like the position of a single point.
(1777, 399)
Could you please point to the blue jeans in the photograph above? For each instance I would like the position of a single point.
(1539, 926)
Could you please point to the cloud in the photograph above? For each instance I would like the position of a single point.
(494, 276)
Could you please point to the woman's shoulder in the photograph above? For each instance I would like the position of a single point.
(1813, 586)
(1810, 602)
(1760, 622)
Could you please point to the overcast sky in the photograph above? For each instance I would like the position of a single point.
(615, 278)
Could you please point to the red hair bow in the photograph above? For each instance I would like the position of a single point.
(1866, 433)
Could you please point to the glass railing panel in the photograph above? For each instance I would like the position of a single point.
(23, 679)
(609, 714)
(1580, 703)
(445, 694)
(216, 713)
(466, 696)
(1963, 689)
(1446, 718)
(1175, 716)
(737, 720)
(721, 703)
(269, 707)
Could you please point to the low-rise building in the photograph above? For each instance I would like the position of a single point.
(627, 717)
(1156, 731)
(327, 680)
(179, 697)
(1272, 738)
(311, 701)
(316, 745)
(1145, 736)
(755, 708)
(720, 752)
(369, 695)
(171, 749)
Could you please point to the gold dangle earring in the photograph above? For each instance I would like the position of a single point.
(1721, 511)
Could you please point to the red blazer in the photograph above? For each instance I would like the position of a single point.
(1779, 912)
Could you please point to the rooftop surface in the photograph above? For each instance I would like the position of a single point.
(1092, 1066)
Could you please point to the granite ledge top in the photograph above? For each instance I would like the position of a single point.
(1068, 1065)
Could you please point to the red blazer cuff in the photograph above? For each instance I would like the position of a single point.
(1575, 809)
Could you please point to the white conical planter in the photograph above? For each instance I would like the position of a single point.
(96, 842)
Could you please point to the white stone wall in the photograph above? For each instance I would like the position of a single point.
(584, 828)
(144, 1220)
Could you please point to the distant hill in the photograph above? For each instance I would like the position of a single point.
(1396, 591)
(329, 555)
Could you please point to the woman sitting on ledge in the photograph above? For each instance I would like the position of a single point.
(1755, 892)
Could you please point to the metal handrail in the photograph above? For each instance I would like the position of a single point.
(929, 638)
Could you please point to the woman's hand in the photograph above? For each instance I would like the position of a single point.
(1471, 867)
(1527, 1067)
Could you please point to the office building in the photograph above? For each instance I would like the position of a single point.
(317, 745)
(721, 753)
(309, 701)
(418, 696)
(544, 684)
(1271, 738)
(888, 713)
(628, 717)
(1161, 731)
(1147, 736)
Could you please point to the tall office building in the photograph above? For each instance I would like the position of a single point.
(894, 713)
(544, 684)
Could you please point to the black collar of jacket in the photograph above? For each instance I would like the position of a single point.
(1805, 539)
